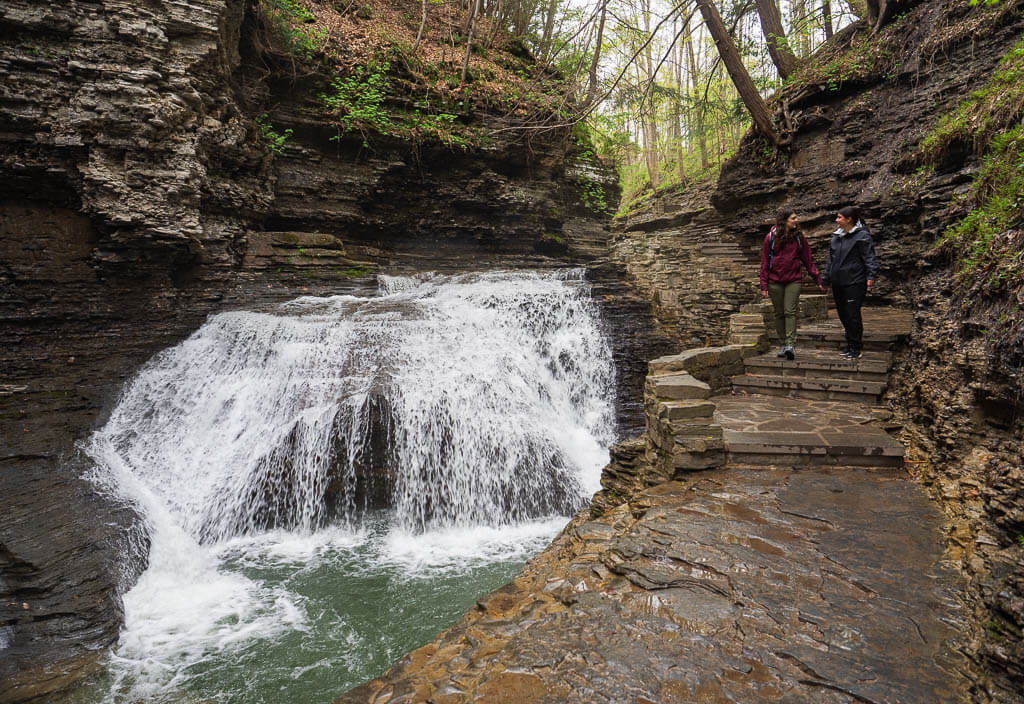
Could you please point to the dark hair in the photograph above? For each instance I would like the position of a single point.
(782, 234)
(852, 212)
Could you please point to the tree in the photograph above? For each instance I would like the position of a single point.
(738, 73)
(592, 85)
(775, 36)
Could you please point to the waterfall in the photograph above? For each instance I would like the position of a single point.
(470, 410)
(469, 400)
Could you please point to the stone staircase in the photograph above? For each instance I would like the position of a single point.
(820, 408)
(738, 406)
(817, 375)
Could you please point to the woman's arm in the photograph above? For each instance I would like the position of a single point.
(826, 278)
(808, 260)
(871, 266)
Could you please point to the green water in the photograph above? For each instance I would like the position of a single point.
(358, 605)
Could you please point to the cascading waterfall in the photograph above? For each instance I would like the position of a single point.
(479, 402)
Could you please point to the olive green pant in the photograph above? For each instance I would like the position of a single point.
(785, 298)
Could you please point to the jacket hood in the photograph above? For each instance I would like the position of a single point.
(856, 228)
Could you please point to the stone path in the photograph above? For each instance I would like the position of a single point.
(767, 585)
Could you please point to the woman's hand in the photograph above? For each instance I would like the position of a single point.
(871, 283)
(764, 294)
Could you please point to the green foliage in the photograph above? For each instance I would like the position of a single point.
(274, 140)
(357, 100)
(989, 118)
(984, 113)
(1020, 540)
(292, 23)
(441, 127)
(988, 261)
(591, 194)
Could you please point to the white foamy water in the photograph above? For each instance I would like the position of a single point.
(477, 408)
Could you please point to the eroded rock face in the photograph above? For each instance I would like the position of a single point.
(748, 586)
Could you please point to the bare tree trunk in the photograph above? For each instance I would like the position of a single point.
(423, 24)
(592, 85)
(549, 26)
(775, 36)
(677, 104)
(649, 112)
(474, 9)
(499, 21)
(738, 72)
(826, 18)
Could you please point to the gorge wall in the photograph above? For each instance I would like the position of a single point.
(140, 195)
(860, 113)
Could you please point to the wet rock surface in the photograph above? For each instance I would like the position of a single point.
(734, 586)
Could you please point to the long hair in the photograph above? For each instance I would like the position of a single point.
(852, 212)
(781, 233)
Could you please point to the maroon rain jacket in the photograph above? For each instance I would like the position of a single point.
(789, 255)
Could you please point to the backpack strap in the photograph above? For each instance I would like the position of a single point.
(771, 245)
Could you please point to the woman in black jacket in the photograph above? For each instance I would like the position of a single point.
(851, 270)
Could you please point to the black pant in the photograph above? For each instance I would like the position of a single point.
(848, 302)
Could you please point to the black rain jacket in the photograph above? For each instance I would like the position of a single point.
(851, 258)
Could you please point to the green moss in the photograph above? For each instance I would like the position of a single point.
(355, 272)
(985, 112)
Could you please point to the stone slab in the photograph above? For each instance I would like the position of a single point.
(696, 360)
(859, 386)
(682, 410)
(678, 387)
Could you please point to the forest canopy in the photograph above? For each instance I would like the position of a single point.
(663, 91)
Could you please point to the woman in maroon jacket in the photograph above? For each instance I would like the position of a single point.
(785, 250)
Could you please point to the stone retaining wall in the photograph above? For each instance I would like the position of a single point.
(681, 432)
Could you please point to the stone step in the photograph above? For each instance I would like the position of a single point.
(869, 449)
(821, 388)
(832, 337)
(873, 366)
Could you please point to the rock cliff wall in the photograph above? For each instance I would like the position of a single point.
(140, 196)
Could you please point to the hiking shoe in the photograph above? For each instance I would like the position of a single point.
(790, 353)
(855, 354)
(845, 353)
(781, 353)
